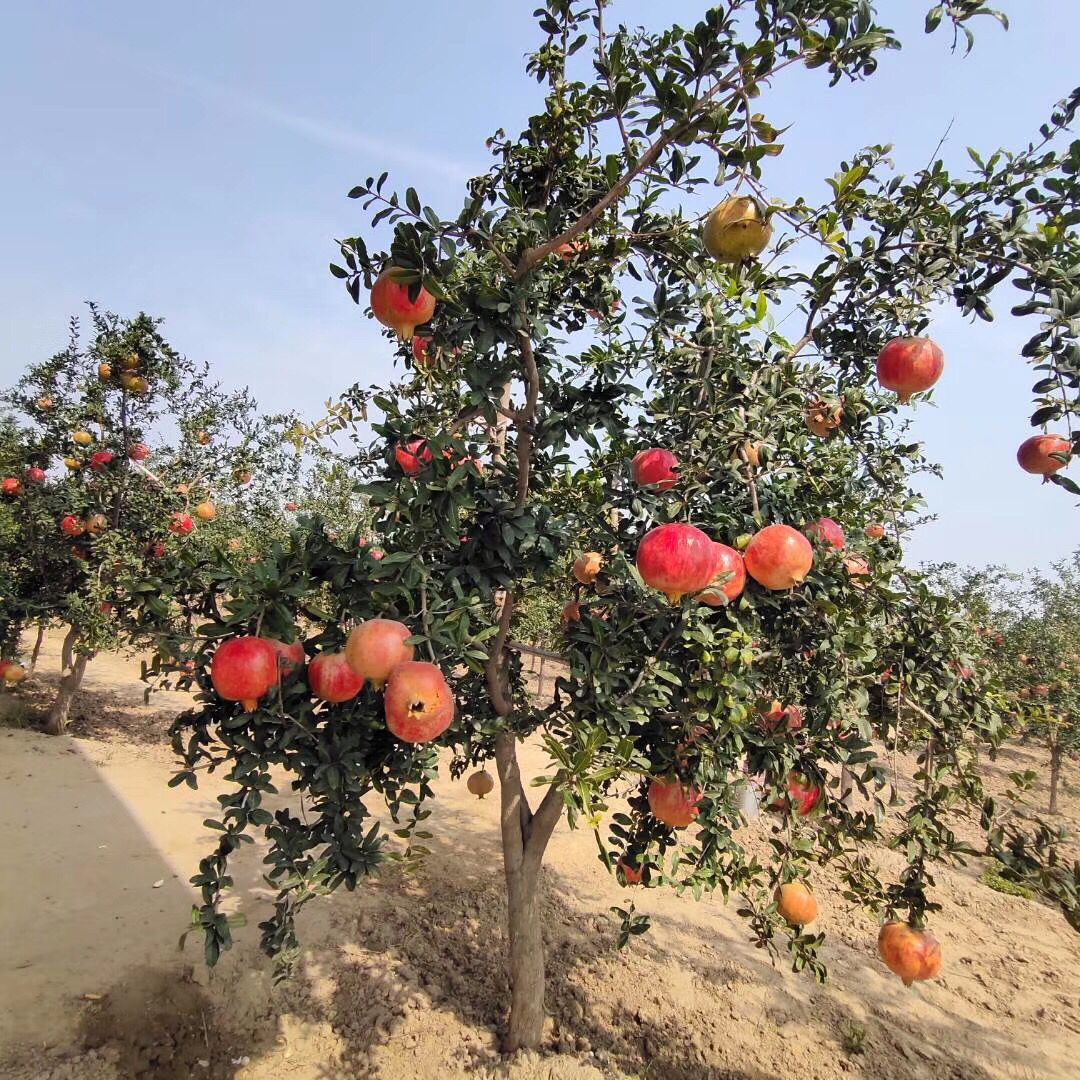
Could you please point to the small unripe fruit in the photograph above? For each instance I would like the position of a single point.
(481, 783)
(587, 567)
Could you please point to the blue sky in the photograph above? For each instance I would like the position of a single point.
(192, 161)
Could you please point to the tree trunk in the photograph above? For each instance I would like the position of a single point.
(1055, 771)
(73, 667)
(37, 646)
(846, 786)
(524, 839)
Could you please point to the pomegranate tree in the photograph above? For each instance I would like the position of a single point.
(654, 727)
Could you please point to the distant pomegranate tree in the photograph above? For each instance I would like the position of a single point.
(128, 453)
(602, 401)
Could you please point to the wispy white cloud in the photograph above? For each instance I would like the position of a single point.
(313, 129)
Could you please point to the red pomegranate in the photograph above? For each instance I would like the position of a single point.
(779, 557)
(392, 306)
(874, 531)
(158, 550)
(776, 717)
(181, 524)
(243, 669)
(655, 467)
(378, 554)
(291, 507)
(828, 532)
(412, 456)
(331, 678)
(138, 451)
(912, 954)
(1034, 454)
(630, 875)
(422, 354)
(795, 904)
(101, 460)
(674, 803)
(571, 612)
(376, 647)
(729, 565)
(418, 703)
(910, 365)
(802, 795)
(71, 526)
(290, 658)
(35, 475)
(676, 560)
(11, 486)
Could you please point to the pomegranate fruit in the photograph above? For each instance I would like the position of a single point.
(45, 404)
(776, 717)
(392, 306)
(71, 526)
(290, 658)
(101, 460)
(82, 438)
(736, 229)
(73, 463)
(587, 566)
(96, 524)
(11, 672)
(481, 783)
(418, 703)
(292, 507)
(655, 467)
(243, 669)
(378, 554)
(857, 566)
(802, 795)
(795, 904)
(35, 475)
(422, 354)
(822, 418)
(181, 524)
(376, 647)
(11, 487)
(138, 451)
(779, 557)
(874, 531)
(412, 456)
(206, 511)
(1034, 454)
(677, 560)
(912, 954)
(104, 372)
(910, 365)
(674, 803)
(571, 612)
(730, 567)
(629, 875)
(331, 678)
(828, 532)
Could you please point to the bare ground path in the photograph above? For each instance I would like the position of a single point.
(404, 978)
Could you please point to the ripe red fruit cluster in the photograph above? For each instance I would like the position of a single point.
(417, 701)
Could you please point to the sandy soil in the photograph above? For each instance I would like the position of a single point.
(404, 979)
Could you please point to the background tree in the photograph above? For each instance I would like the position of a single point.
(571, 318)
(130, 453)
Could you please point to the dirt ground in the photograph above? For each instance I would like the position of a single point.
(404, 977)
